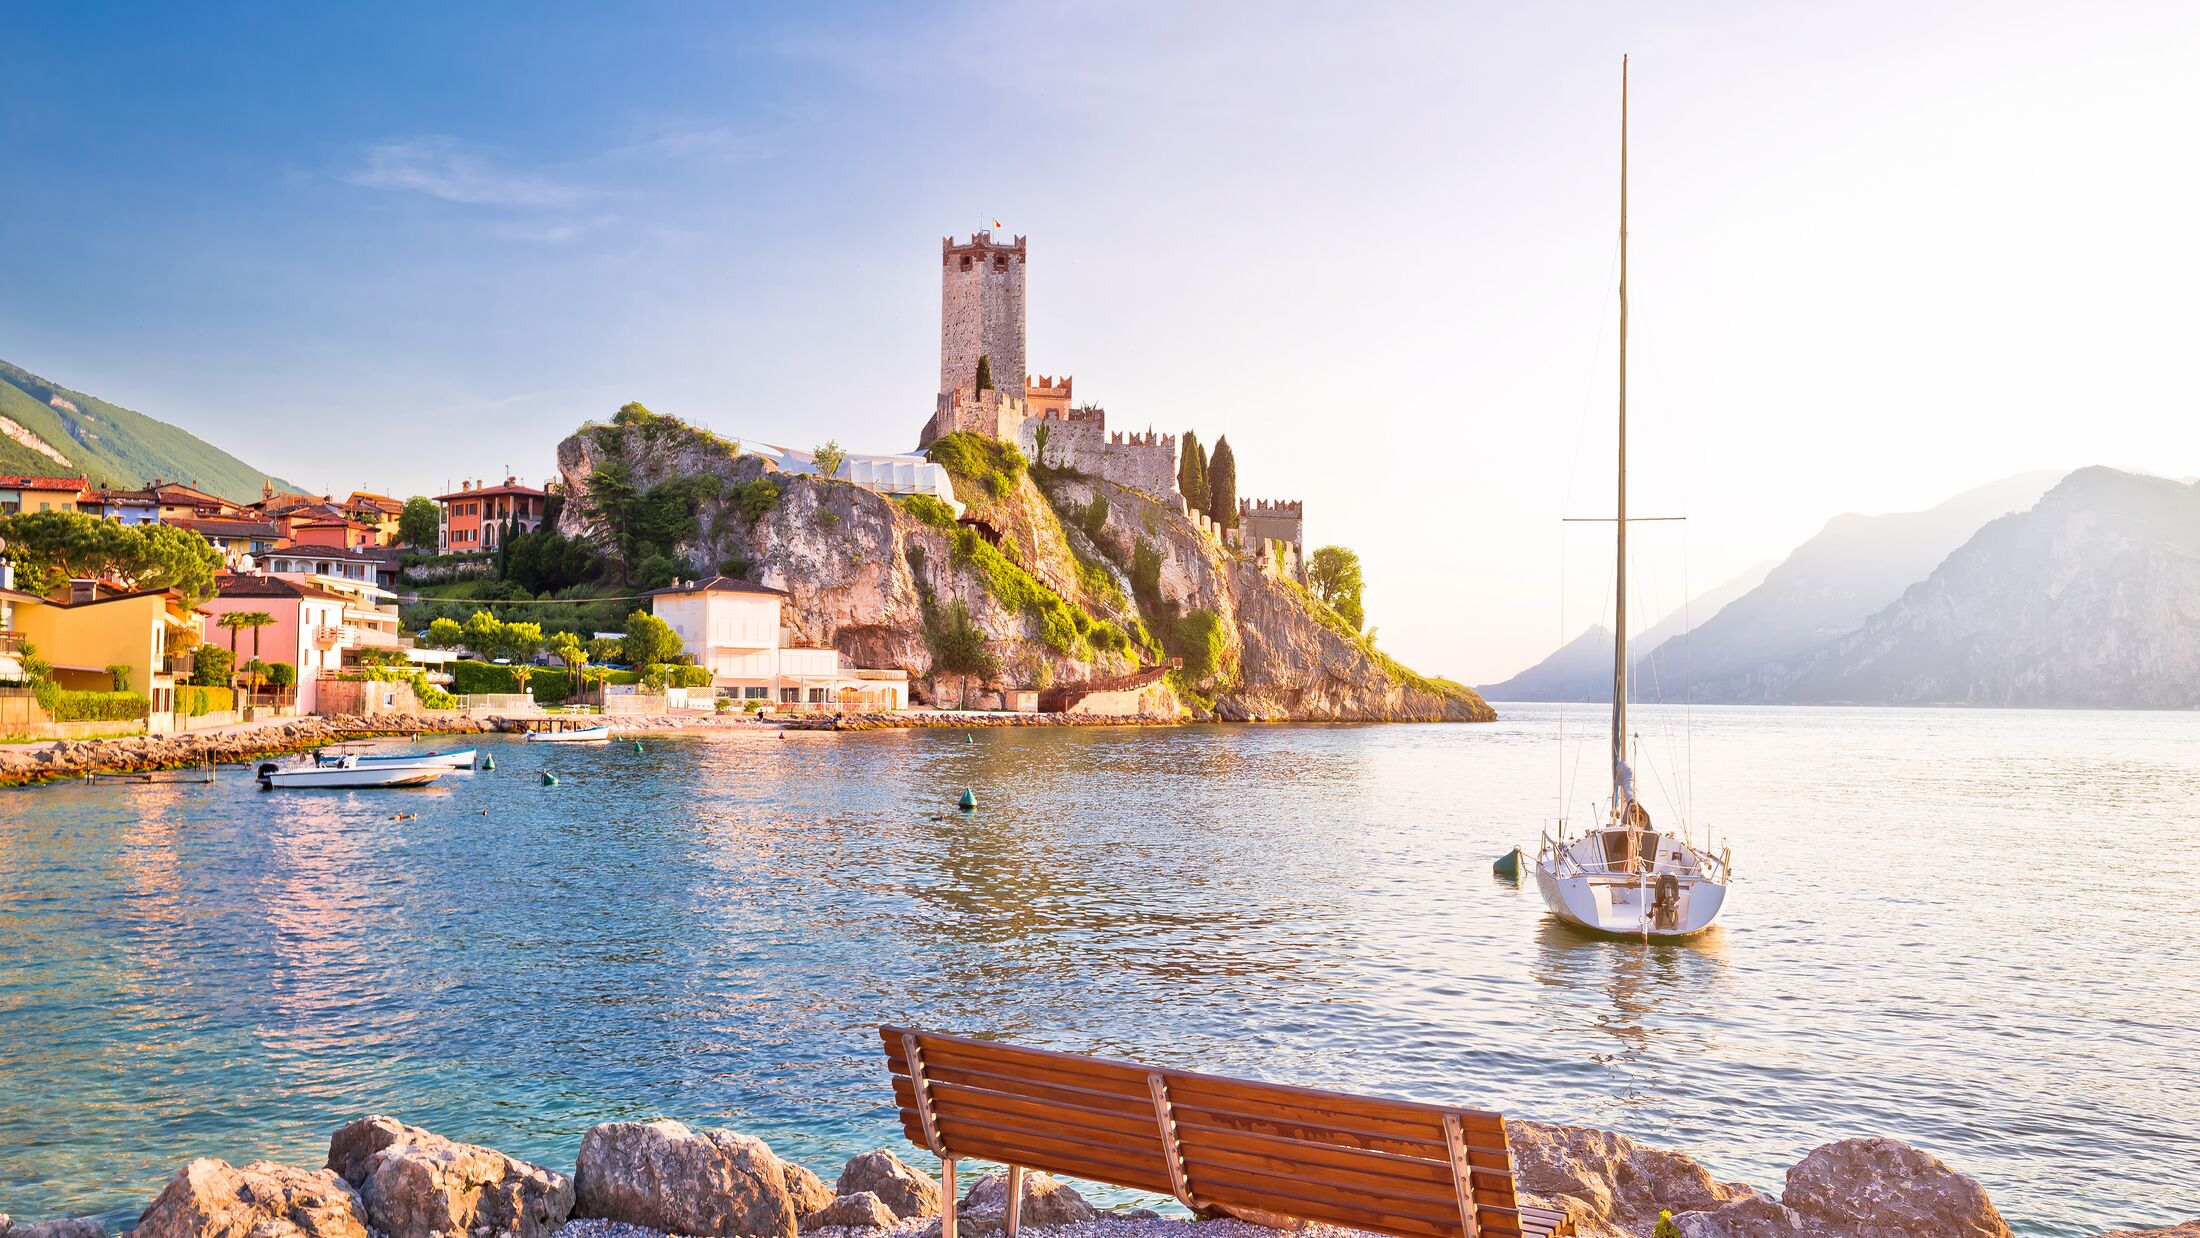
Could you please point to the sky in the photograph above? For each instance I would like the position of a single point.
(1880, 253)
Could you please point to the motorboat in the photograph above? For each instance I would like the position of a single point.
(461, 759)
(1627, 876)
(349, 771)
(574, 735)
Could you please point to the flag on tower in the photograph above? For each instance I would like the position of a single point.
(996, 223)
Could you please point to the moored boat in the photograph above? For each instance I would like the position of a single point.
(461, 759)
(575, 735)
(1628, 877)
(348, 772)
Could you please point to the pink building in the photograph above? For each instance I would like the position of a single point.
(307, 632)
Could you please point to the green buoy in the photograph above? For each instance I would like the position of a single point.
(969, 799)
(549, 779)
(488, 762)
(637, 745)
(1509, 865)
(968, 738)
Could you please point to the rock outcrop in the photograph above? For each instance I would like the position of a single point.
(73, 758)
(1056, 577)
(1884, 1188)
(67, 1227)
(668, 1176)
(1608, 1182)
(805, 1190)
(2189, 1229)
(211, 1198)
(905, 1191)
(417, 1184)
(861, 1210)
(1046, 1200)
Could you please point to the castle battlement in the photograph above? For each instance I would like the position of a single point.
(1046, 383)
(1134, 438)
(980, 242)
(1271, 507)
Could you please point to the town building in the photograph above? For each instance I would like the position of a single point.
(121, 506)
(332, 529)
(378, 512)
(235, 537)
(888, 474)
(733, 629)
(39, 494)
(473, 517)
(307, 632)
(373, 565)
(83, 638)
(178, 501)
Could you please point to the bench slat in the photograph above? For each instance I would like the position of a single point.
(955, 1096)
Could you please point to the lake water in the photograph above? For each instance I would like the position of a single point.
(1972, 930)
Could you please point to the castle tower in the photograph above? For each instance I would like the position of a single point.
(981, 314)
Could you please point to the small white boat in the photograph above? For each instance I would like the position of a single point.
(1626, 876)
(348, 772)
(578, 735)
(461, 759)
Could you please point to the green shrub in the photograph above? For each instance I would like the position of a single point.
(211, 666)
(990, 466)
(1093, 516)
(687, 676)
(1200, 643)
(68, 706)
(199, 702)
(930, 510)
(755, 499)
(1019, 590)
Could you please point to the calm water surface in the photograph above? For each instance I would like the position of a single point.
(1971, 930)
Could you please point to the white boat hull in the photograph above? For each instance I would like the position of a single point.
(1579, 889)
(462, 759)
(381, 774)
(585, 735)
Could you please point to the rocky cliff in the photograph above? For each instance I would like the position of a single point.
(2090, 599)
(1072, 580)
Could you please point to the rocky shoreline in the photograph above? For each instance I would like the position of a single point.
(385, 1179)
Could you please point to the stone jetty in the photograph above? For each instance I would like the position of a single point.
(74, 758)
(386, 1179)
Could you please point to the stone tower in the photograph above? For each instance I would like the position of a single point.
(981, 314)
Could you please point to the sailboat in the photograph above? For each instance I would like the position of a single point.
(1628, 876)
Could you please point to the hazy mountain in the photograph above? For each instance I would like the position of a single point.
(1853, 568)
(2091, 598)
(1582, 671)
(50, 430)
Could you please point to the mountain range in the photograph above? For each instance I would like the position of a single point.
(2014, 593)
(47, 430)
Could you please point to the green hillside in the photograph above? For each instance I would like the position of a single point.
(111, 445)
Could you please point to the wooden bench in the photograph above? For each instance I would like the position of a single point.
(1388, 1166)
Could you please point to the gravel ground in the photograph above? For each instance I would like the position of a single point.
(1107, 1226)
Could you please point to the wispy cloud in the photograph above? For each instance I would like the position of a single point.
(457, 171)
(691, 140)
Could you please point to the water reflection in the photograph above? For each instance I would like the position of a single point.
(1651, 990)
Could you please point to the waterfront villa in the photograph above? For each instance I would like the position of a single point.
(38, 494)
(307, 632)
(84, 638)
(474, 515)
(732, 628)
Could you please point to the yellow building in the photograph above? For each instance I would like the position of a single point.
(80, 640)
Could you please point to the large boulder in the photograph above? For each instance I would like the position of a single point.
(1753, 1216)
(906, 1192)
(418, 1184)
(1046, 1201)
(861, 1210)
(67, 1227)
(211, 1198)
(2190, 1229)
(1614, 1182)
(1884, 1188)
(806, 1190)
(666, 1176)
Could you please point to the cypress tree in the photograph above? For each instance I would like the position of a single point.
(1191, 472)
(985, 374)
(1222, 485)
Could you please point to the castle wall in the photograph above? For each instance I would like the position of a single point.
(982, 314)
(1273, 520)
(1082, 441)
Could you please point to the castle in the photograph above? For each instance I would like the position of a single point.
(982, 324)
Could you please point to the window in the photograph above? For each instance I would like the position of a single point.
(755, 694)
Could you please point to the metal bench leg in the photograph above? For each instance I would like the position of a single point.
(947, 1197)
(1015, 1198)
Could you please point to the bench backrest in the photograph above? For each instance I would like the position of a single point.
(1390, 1166)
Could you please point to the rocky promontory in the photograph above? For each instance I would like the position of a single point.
(385, 1179)
(1071, 580)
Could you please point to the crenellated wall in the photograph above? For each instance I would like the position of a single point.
(1142, 460)
(1274, 520)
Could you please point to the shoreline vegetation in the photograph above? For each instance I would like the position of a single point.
(385, 1179)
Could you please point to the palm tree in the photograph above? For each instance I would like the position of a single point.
(235, 620)
(255, 620)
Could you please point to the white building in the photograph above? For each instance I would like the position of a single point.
(733, 629)
(885, 474)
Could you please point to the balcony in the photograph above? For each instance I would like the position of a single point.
(327, 638)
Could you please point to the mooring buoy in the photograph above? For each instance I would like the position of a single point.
(1509, 865)
(637, 745)
(968, 738)
(549, 779)
(969, 800)
(488, 762)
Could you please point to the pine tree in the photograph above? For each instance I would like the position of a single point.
(1191, 472)
(985, 374)
(1222, 485)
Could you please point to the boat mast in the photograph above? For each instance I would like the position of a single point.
(1619, 614)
